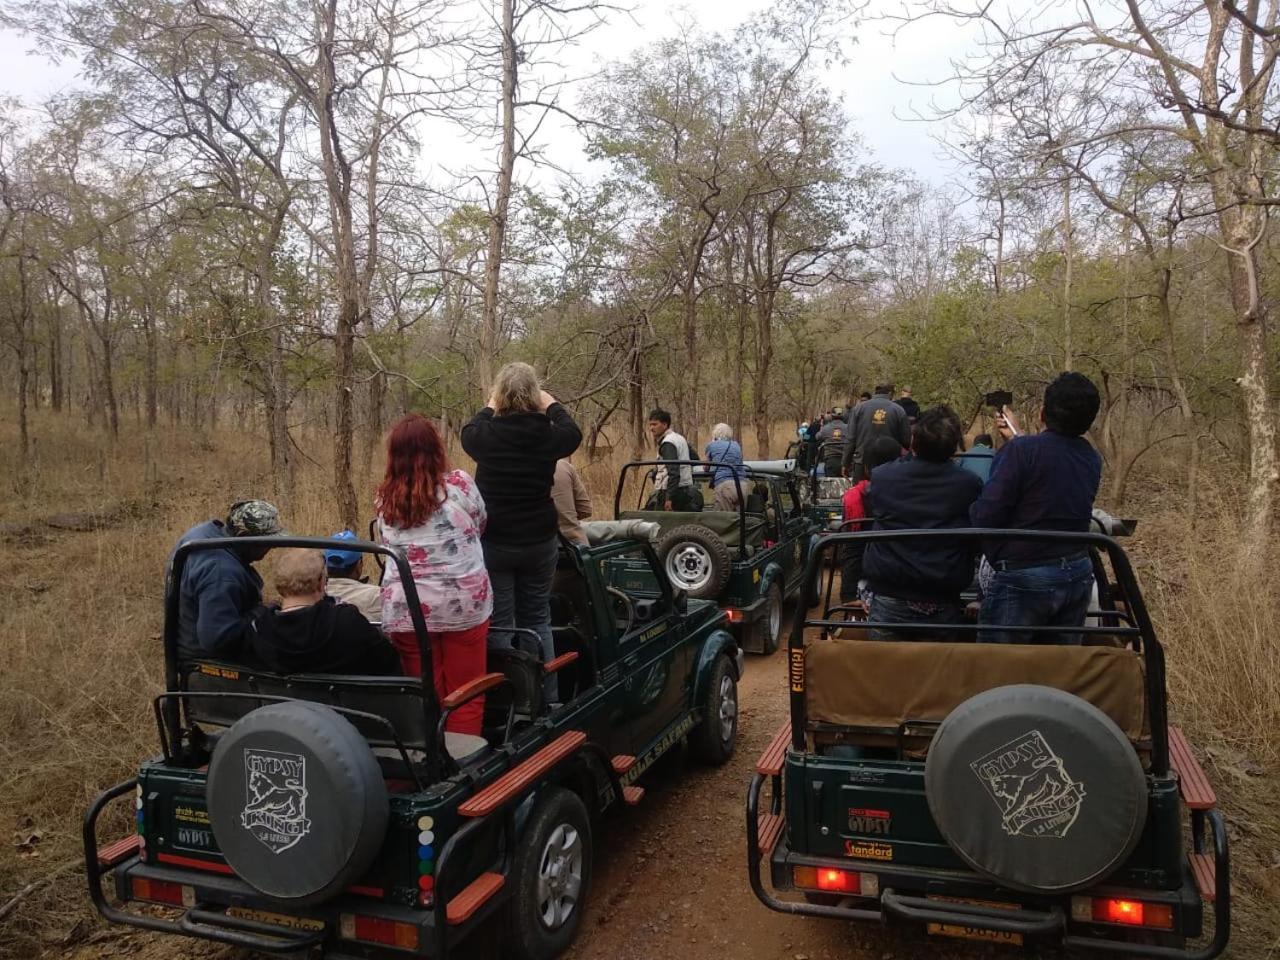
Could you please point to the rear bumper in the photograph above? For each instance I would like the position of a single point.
(908, 894)
(207, 897)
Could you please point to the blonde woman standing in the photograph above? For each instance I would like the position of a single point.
(515, 442)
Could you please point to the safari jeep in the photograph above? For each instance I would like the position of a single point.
(338, 814)
(749, 560)
(1012, 793)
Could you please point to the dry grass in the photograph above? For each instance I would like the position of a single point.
(80, 656)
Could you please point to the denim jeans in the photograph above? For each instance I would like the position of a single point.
(521, 577)
(892, 610)
(1055, 594)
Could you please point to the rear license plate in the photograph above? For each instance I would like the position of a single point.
(275, 919)
(962, 932)
(975, 933)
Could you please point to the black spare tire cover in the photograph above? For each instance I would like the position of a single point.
(1036, 789)
(296, 801)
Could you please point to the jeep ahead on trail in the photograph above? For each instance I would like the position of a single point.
(286, 813)
(749, 560)
(1003, 792)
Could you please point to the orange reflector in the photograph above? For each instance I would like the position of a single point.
(735, 616)
(1133, 913)
(378, 930)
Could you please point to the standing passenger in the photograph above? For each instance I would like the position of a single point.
(515, 442)
(729, 476)
(436, 515)
(573, 503)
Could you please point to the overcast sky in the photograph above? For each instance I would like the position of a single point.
(871, 86)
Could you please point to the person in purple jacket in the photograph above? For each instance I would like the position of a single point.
(1042, 481)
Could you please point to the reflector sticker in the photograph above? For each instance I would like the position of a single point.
(275, 809)
(1031, 786)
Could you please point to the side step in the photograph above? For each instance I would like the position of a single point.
(512, 783)
(770, 762)
(622, 763)
(119, 851)
(1193, 784)
(632, 795)
(769, 830)
(1206, 874)
(473, 896)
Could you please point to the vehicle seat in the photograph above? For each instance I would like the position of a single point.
(862, 692)
(397, 700)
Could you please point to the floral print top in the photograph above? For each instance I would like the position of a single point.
(447, 562)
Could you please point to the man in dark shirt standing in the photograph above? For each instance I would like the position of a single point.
(873, 418)
(1044, 481)
(920, 580)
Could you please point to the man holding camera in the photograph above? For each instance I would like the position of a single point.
(1043, 481)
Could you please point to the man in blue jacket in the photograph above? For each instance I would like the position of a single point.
(1043, 481)
(919, 580)
(220, 589)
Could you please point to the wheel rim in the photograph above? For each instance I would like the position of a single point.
(728, 708)
(689, 565)
(775, 616)
(560, 876)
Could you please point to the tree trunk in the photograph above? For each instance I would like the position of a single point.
(687, 394)
(24, 367)
(764, 359)
(502, 201)
(635, 392)
(1068, 245)
(151, 363)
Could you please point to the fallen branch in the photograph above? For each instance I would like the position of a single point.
(35, 885)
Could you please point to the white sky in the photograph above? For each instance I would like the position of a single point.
(871, 86)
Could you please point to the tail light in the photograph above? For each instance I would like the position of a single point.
(735, 616)
(1129, 913)
(161, 891)
(389, 933)
(832, 880)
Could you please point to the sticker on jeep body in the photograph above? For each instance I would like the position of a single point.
(1031, 786)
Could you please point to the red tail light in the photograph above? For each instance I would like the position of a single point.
(832, 880)
(1130, 913)
(160, 891)
(735, 616)
(378, 930)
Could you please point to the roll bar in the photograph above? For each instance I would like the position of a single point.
(172, 721)
(1142, 631)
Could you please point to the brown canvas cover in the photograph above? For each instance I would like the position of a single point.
(872, 684)
(724, 523)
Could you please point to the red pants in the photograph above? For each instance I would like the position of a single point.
(457, 657)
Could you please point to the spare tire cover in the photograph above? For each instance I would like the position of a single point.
(1036, 789)
(296, 801)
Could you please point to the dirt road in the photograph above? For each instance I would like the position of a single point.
(670, 874)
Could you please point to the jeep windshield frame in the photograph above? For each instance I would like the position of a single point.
(1135, 625)
(171, 707)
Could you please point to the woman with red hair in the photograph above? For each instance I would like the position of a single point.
(436, 515)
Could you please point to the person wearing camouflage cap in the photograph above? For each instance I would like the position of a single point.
(220, 589)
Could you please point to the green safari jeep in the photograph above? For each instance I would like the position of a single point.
(749, 560)
(1016, 793)
(337, 813)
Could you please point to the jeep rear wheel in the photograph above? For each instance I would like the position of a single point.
(770, 625)
(551, 873)
(713, 740)
(695, 560)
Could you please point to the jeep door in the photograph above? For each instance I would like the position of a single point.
(796, 526)
(653, 650)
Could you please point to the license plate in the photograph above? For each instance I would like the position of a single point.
(275, 919)
(963, 932)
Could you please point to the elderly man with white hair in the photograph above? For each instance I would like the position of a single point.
(728, 475)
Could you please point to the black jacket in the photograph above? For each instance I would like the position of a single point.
(515, 457)
(918, 494)
(326, 637)
(874, 418)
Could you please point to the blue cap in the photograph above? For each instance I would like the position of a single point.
(341, 559)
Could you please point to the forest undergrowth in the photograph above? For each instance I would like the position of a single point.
(86, 529)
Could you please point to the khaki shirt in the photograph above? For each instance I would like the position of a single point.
(365, 597)
(573, 503)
